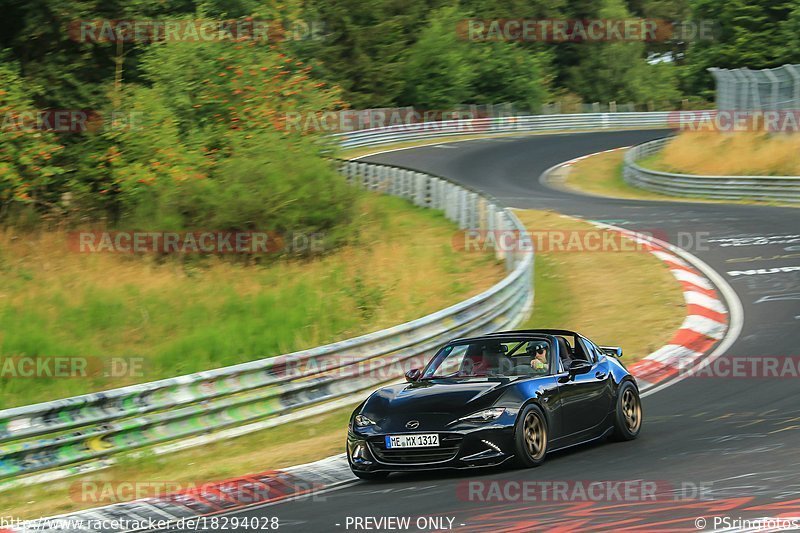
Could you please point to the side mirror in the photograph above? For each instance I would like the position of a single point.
(413, 375)
(579, 367)
(613, 351)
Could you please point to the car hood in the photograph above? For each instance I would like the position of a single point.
(439, 399)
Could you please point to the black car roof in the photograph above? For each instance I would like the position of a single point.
(517, 333)
(542, 331)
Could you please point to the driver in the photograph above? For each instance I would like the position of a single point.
(493, 358)
(538, 352)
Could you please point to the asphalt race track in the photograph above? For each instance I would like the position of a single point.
(714, 447)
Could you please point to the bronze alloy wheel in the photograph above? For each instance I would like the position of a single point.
(632, 410)
(535, 436)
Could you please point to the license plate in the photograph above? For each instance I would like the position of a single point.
(412, 441)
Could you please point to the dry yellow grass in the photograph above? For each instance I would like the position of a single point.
(731, 154)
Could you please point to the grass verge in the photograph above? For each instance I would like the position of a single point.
(177, 318)
(616, 298)
(619, 298)
(729, 154)
(601, 174)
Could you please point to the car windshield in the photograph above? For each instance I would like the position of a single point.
(492, 358)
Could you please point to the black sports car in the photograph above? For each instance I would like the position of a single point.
(514, 395)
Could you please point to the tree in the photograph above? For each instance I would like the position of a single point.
(443, 69)
(437, 73)
(618, 71)
(30, 172)
(212, 148)
(364, 46)
(508, 72)
(753, 33)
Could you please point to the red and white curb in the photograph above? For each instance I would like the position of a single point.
(706, 322)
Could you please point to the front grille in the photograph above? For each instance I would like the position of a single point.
(447, 449)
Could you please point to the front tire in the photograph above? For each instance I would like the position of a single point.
(370, 476)
(531, 437)
(628, 413)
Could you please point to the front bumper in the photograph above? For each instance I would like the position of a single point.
(469, 448)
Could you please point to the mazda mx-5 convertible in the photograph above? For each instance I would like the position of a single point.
(511, 396)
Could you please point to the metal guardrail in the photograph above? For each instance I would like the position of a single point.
(769, 188)
(93, 427)
(503, 125)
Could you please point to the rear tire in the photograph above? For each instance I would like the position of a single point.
(370, 476)
(628, 413)
(530, 437)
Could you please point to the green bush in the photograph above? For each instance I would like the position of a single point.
(281, 192)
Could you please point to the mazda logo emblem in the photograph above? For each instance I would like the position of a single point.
(412, 424)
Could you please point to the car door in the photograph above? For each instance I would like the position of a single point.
(586, 396)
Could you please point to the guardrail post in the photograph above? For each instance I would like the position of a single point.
(362, 175)
(391, 186)
(419, 189)
(435, 198)
(442, 193)
(511, 255)
(375, 179)
(365, 179)
(428, 188)
(461, 207)
(401, 183)
(499, 228)
(481, 213)
(380, 183)
(452, 202)
(473, 213)
(469, 220)
(457, 201)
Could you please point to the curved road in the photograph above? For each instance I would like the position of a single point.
(724, 447)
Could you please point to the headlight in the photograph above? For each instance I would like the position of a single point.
(362, 421)
(486, 415)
